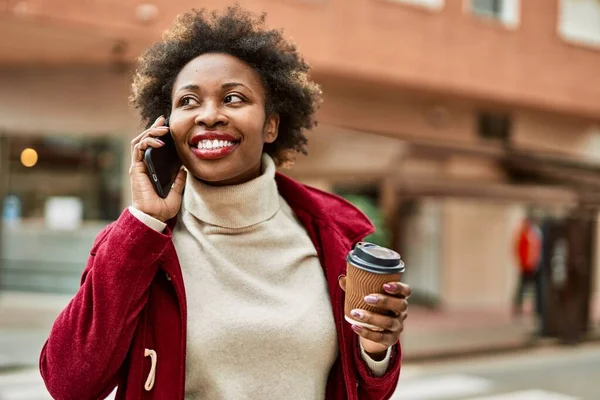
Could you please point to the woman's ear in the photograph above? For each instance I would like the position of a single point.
(271, 129)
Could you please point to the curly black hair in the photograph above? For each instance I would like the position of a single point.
(237, 32)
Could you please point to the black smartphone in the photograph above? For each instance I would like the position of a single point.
(163, 164)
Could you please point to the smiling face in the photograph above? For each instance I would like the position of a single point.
(218, 119)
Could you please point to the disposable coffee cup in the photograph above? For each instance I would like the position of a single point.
(369, 267)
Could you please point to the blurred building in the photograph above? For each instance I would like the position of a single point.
(452, 116)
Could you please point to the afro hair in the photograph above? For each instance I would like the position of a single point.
(289, 92)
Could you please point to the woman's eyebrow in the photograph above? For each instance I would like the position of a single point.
(228, 85)
(188, 87)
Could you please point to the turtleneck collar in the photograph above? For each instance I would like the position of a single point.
(235, 206)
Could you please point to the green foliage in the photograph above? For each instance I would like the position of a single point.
(371, 210)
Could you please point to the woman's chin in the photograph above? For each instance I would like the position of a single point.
(213, 180)
(210, 172)
(221, 172)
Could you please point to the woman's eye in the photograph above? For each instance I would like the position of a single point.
(188, 101)
(233, 98)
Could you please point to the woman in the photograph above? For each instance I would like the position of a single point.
(228, 290)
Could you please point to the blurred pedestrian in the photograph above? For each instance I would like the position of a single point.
(228, 290)
(528, 252)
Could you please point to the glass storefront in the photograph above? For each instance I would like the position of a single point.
(57, 193)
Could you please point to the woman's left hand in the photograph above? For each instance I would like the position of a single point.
(395, 301)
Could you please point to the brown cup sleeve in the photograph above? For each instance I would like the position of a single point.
(361, 283)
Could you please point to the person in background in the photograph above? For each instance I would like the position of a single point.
(227, 289)
(528, 252)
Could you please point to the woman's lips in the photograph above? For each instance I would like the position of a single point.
(212, 145)
(216, 152)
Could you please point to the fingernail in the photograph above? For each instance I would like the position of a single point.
(357, 314)
(371, 299)
(160, 141)
(390, 287)
(158, 118)
(356, 328)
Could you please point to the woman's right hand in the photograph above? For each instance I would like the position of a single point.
(144, 197)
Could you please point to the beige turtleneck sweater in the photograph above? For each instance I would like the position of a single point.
(260, 323)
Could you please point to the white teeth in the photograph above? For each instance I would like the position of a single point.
(214, 144)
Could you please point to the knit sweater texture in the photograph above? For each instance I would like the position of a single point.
(260, 323)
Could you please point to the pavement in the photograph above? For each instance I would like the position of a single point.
(549, 373)
(26, 384)
(26, 318)
(541, 373)
(25, 321)
(439, 334)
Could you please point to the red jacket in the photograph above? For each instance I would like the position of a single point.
(528, 247)
(132, 298)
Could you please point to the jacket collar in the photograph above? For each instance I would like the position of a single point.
(321, 206)
(325, 207)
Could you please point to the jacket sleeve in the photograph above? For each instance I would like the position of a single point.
(90, 338)
(371, 387)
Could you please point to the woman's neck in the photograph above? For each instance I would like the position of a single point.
(234, 206)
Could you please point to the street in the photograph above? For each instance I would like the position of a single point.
(554, 373)
(24, 385)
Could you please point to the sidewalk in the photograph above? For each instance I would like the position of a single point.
(26, 318)
(457, 333)
(439, 334)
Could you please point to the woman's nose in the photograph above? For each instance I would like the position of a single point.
(210, 115)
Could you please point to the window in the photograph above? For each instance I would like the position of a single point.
(487, 8)
(579, 21)
(44, 169)
(505, 11)
(494, 126)
(57, 193)
(433, 4)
